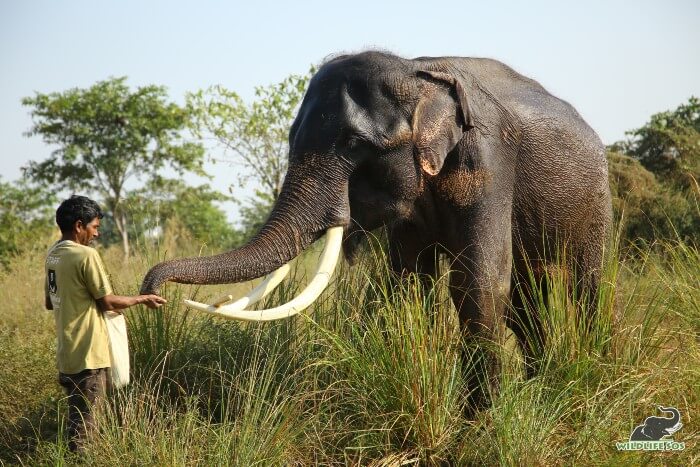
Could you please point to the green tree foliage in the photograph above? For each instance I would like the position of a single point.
(26, 212)
(254, 137)
(669, 145)
(161, 199)
(654, 176)
(253, 214)
(106, 135)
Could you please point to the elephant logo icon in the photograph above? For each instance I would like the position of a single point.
(655, 428)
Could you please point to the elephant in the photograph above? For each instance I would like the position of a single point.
(461, 158)
(655, 428)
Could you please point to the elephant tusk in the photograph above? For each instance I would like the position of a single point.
(222, 300)
(258, 293)
(324, 271)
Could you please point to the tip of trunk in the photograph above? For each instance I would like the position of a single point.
(672, 410)
(153, 281)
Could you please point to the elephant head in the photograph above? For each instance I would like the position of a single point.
(655, 428)
(370, 129)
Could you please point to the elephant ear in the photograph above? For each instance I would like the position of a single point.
(440, 119)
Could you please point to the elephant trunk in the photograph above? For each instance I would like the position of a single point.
(676, 415)
(314, 197)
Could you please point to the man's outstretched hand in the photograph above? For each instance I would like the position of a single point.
(153, 301)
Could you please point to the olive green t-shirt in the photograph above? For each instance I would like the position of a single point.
(75, 279)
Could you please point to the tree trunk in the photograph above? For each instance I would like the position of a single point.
(121, 224)
(125, 237)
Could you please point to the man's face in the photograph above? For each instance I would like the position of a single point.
(86, 233)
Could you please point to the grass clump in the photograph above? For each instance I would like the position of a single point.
(388, 377)
(373, 374)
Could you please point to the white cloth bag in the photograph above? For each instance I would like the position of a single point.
(118, 348)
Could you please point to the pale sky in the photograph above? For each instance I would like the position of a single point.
(617, 62)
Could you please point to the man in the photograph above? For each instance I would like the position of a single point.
(79, 291)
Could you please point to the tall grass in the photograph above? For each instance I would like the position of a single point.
(28, 380)
(681, 276)
(388, 375)
(373, 375)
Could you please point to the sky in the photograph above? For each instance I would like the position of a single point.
(617, 62)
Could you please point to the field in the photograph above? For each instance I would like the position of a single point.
(371, 375)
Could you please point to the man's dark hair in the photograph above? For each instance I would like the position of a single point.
(74, 209)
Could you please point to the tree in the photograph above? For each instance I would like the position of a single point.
(106, 135)
(163, 199)
(255, 135)
(253, 214)
(658, 183)
(26, 211)
(669, 144)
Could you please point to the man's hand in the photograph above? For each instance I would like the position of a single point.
(153, 301)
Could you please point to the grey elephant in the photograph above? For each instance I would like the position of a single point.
(655, 428)
(458, 157)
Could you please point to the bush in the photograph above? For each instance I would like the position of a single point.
(651, 210)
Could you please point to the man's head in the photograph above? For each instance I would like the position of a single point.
(78, 217)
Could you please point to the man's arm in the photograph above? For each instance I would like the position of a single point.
(98, 285)
(119, 302)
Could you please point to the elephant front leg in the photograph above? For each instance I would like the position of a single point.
(412, 252)
(480, 289)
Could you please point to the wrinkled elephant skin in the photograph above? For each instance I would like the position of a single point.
(457, 157)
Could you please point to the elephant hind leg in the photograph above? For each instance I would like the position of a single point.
(589, 269)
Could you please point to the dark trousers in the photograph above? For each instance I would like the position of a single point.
(86, 391)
